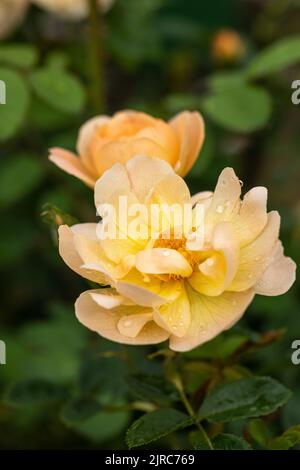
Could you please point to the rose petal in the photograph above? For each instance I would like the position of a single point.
(255, 257)
(210, 316)
(175, 317)
(84, 141)
(252, 217)
(189, 128)
(217, 272)
(71, 164)
(203, 197)
(105, 322)
(146, 290)
(145, 173)
(69, 254)
(108, 298)
(279, 275)
(226, 198)
(131, 325)
(121, 152)
(162, 261)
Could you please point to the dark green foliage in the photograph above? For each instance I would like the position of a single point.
(155, 425)
(245, 398)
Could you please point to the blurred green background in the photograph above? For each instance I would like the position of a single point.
(161, 57)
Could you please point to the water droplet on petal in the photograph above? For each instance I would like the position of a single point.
(166, 253)
(257, 258)
(241, 183)
(250, 276)
(127, 323)
(181, 323)
(220, 209)
(210, 261)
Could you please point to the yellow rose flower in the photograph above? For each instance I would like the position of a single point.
(11, 14)
(71, 9)
(162, 288)
(104, 141)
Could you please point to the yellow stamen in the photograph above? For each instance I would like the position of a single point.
(179, 244)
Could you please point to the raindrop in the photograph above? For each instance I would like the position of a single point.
(181, 323)
(210, 261)
(127, 323)
(220, 209)
(166, 253)
(241, 183)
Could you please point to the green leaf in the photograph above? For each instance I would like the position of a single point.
(15, 243)
(154, 425)
(59, 89)
(19, 176)
(80, 409)
(259, 432)
(96, 377)
(152, 388)
(178, 101)
(103, 425)
(33, 392)
(58, 60)
(241, 108)
(245, 398)
(230, 442)
(12, 114)
(221, 81)
(276, 57)
(289, 438)
(198, 441)
(18, 55)
(222, 346)
(53, 348)
(236, 372)
(44, 117)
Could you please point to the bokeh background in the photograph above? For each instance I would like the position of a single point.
(161, 57)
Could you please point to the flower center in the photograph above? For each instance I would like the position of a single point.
(179, 244)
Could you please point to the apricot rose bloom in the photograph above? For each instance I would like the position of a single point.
(11, 14)
(228, 46)
(104, 141)
(161, 289)
(71, 9)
